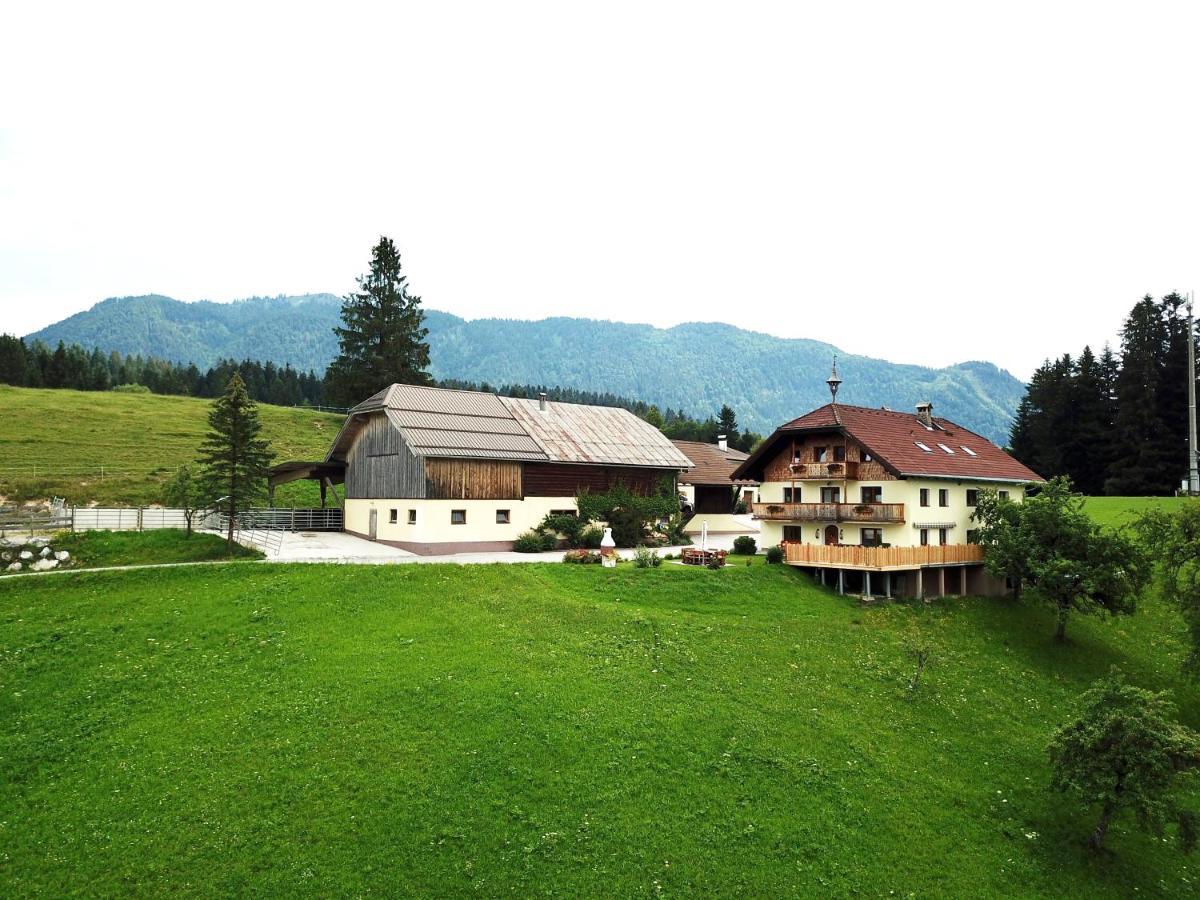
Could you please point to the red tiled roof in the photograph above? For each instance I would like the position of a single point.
(712, 464)
(892, 438)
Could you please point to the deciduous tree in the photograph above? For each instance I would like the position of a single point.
(1049, 543)
(1124, 752)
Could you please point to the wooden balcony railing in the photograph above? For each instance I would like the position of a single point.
(854, 557)
(828, 512)
(824, 471)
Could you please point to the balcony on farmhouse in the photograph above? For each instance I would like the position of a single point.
(824, 471)
(885, 513)
(842, 556)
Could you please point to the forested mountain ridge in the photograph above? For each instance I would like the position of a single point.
(695, 367)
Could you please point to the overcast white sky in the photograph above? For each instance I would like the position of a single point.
(924, 182)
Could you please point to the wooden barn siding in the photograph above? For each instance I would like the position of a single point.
(472, 479)
(779, 469)
(380, 465)
(555, 480)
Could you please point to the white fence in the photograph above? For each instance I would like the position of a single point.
(130, 519)
(147, 518)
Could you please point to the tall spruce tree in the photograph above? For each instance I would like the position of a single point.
(382, 338)
(727, 422)
(234, 458)
(1142, 456)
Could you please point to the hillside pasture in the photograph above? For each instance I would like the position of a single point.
(119, 449)
(549, 730)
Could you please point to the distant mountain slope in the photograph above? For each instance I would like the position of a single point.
(694, 367)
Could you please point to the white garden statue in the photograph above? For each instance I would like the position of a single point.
(608, 549)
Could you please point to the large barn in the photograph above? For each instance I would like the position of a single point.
(432, 470)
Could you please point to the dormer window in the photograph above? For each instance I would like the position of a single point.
(924, 447)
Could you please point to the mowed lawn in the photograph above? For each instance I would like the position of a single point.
(547, 730)
(1118, 511)
(118, 449)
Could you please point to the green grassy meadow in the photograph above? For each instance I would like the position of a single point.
(117, 449)
(100, 549)
(1118, 511)
(548, 730)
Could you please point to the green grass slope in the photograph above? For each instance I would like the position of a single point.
(547, 730)
(1117, 511)
(120, 449)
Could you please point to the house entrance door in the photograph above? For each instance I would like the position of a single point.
(831, 534)
(374, 527)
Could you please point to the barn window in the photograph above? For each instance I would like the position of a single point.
(503, 517)
(458, 517)
(412, 517)
(393, 516)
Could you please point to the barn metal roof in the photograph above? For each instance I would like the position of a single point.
(438, 422)
(605, 435)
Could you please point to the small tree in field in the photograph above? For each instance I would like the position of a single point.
(1049, 543)
(234, 457)
(1173, 541)
(184, 492)
(1124, 753)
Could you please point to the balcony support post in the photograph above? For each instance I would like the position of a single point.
(887, 584)
(941, 581)
(920, 584)
(841, 583)
(867, 577)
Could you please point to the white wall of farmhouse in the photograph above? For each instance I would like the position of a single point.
(956, 515)
(435, 525)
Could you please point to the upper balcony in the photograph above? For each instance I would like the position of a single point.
(824, 471)
(876, 513)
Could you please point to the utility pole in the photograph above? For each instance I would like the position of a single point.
(1193, 467)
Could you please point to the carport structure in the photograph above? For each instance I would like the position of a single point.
(326, 474)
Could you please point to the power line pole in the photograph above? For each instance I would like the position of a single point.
(1193, 467)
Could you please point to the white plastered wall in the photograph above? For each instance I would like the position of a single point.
(906, 491)
(433, 525)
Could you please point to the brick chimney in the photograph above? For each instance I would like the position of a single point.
(723, 442)
(925, 414)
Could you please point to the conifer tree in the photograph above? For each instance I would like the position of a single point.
(1140, 454)
(233, 456)
(382, 338)
(728, 425)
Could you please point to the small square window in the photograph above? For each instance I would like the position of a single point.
(791, 495)
(871, 537)
(503, 517)
(872, 494)
(412, 517)
(393, 516)
(867, 457)
(1003, 495)
(458, 517)
(943, 496)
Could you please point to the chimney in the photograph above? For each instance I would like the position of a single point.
(723, 442)
(542, 401)
(925, 414)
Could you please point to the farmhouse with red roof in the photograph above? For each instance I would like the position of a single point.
(878, 501)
